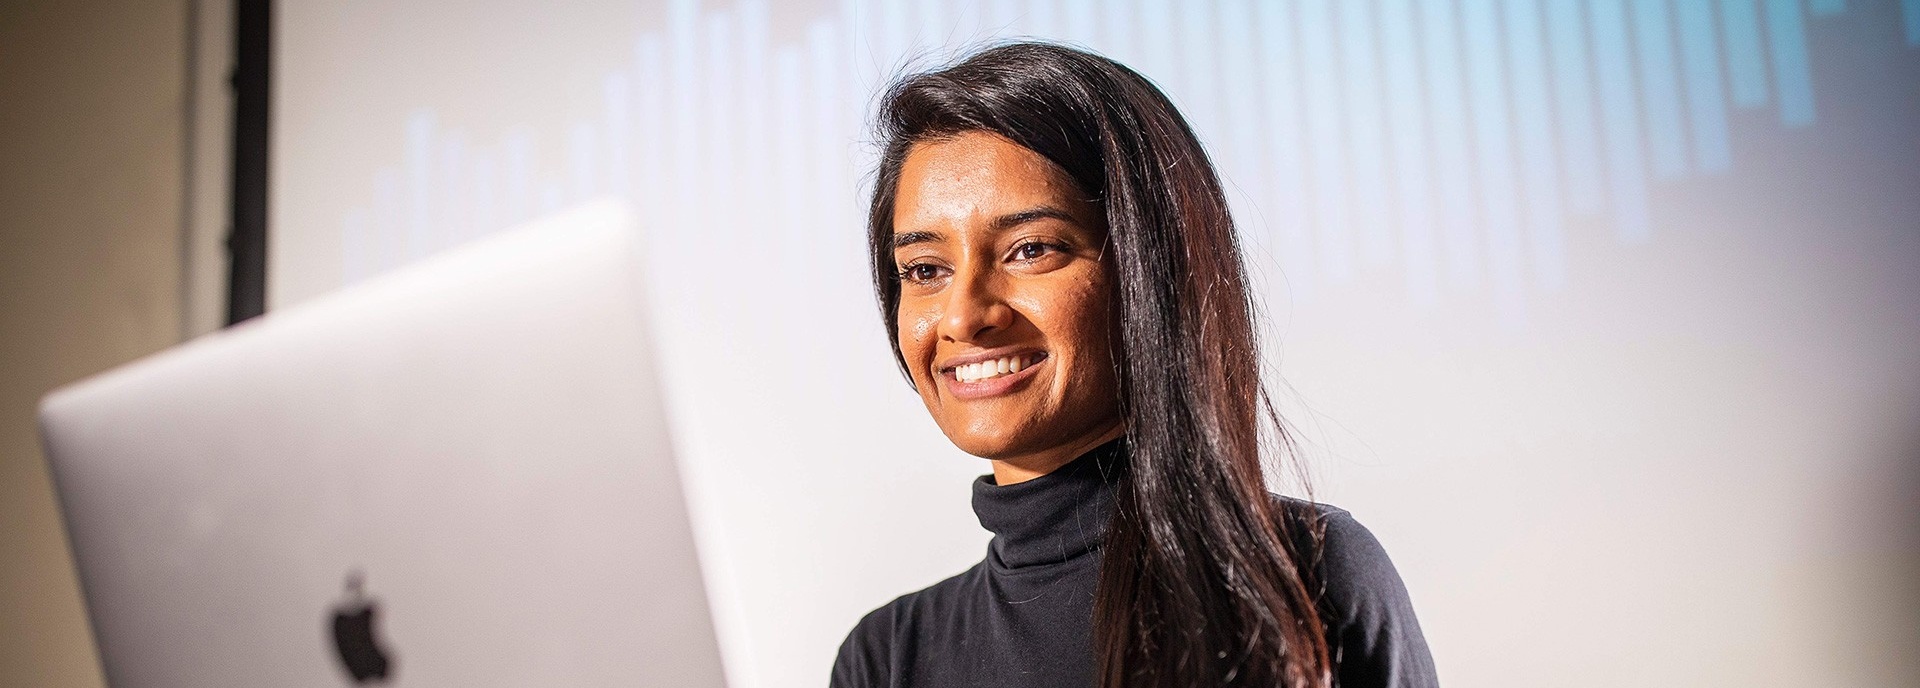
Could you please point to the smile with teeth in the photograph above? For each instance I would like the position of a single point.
(987, 370)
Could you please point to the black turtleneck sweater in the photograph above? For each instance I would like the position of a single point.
(1024, 615)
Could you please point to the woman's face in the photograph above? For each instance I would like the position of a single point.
(1005, 303)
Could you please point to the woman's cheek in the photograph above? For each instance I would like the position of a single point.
(919, 331)
(1091, 330)
(916, 341)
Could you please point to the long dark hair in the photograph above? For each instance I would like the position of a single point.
(1200, 581)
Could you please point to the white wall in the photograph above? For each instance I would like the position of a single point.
(1601, 320)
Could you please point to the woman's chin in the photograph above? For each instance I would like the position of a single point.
(1025, 434)
(995, 449)
(996, 440)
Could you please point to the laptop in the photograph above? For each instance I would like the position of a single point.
(457, 474)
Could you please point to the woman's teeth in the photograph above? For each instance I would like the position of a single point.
(987, 370)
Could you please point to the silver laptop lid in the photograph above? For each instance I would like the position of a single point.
(458, 474)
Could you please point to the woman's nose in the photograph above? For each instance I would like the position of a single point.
(975, 309)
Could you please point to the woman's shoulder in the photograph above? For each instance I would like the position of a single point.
(1349, 559)
(1354, 575)
(867, 656)
(1371, 626)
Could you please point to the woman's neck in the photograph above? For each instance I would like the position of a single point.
(1015, 470)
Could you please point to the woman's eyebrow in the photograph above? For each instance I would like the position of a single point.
(1001, 223)
(905, 239)
(1012, 220)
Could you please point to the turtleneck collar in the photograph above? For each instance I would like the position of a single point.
(1051, 519)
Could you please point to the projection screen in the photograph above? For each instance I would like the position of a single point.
(1599, 313)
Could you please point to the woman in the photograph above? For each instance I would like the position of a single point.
(1054, 256)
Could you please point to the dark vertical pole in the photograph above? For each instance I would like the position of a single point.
(247, 239)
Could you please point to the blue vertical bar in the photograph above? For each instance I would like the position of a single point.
(1613, 71)
(1117, 31)
(582, 152)
(353, 246)
(719, 82)
(1792, 76)
(966, 23)
(825, 154)
(1706, 106)
(1660, 88)
(857, 87)
(1533, 131)
(788, 172)
(686, 138)
(420, 130)
(684, 130)
(1406, 114)
(692, 152)
(933, 29)
(893, 36)
(1238, 161)
(1198, 37)
(1237, 101)
(755, 92)
(755, 100)
(1156, 29)
(1004, 16)
(1827, 8)
(654, 171)
(788, 136)
(823, 97)
(387, 245)
(486, 193)
(1453, 161)
(1043, 18)
(1321, 95)
(451, 205)
(650, 126)
(1077, 22)
(1573, 105)
(617, 121)
(1366, 152)
(1493, 151)
(1910, 11)
(519, 174)
(1280, 86)
(1746, 60)
(849, 13)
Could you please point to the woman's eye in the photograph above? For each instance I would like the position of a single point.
(1031, 250)
(921, 272)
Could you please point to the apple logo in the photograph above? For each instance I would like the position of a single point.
(353, 637)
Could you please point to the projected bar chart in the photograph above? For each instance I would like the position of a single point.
(1452, 142)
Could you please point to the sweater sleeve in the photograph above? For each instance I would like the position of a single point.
(1373, 636)
(863, 658)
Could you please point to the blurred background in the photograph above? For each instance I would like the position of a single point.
(1601, 314)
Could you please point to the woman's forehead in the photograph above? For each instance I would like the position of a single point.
(969, 180)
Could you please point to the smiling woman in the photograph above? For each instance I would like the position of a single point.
(1054, 255)
(1003, 314)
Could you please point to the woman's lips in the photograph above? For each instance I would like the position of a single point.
(993, 386)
